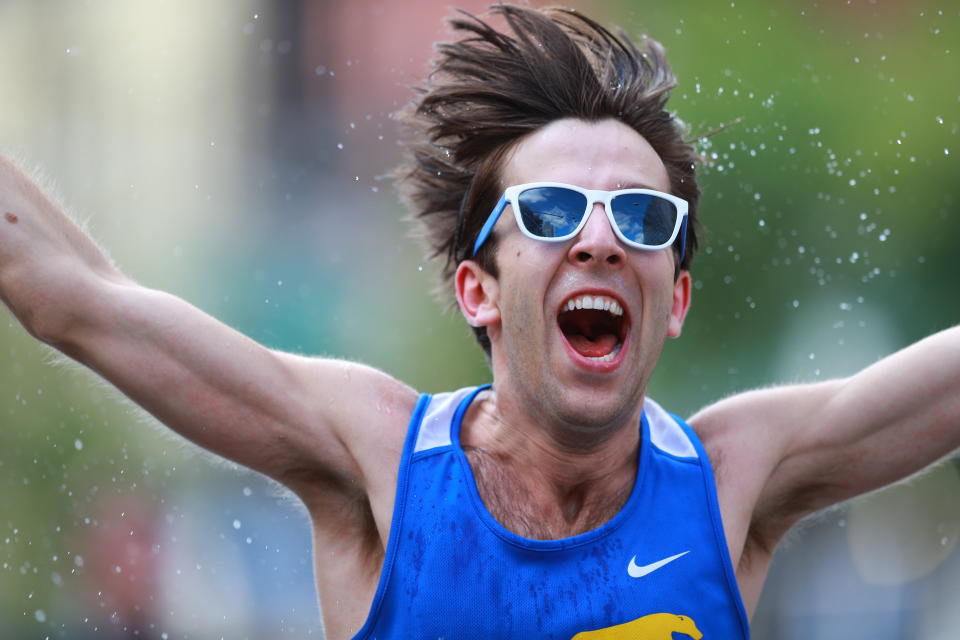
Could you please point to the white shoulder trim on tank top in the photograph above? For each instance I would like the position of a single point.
(665, 433)
(434, 431)
(435, 425)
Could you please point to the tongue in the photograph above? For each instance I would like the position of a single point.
(597, 348)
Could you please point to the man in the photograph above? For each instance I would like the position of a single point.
(560, 502)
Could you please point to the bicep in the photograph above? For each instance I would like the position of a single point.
(825, 442)
(267, 410)
(883, 424)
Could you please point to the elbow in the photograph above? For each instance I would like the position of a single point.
(44, 319)
(55, 313)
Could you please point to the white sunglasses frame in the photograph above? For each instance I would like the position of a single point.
(593, 196)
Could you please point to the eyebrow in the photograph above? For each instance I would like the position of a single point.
(637, 185)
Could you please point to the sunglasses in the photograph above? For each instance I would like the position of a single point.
(555, 212)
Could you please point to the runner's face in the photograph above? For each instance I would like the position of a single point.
(588, 368)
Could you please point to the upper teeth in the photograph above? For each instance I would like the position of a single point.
(594, 302)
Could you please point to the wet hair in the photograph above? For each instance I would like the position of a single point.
(489, 89)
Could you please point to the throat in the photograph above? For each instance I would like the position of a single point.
(528, 506)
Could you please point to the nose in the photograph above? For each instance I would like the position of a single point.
(596, 244)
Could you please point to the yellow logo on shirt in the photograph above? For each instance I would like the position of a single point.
(658, 626)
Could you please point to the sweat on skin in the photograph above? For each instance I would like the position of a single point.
(553, 447)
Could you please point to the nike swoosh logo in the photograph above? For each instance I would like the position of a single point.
(639, 572)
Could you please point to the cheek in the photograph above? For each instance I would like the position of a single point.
(522, 309)
(657, 311)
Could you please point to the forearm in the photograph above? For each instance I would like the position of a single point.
(48, 265)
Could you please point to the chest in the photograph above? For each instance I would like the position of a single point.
(455, 570)
(514, 500)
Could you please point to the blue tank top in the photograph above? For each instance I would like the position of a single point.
(657, 570)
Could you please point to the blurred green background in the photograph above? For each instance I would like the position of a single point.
(236, 153)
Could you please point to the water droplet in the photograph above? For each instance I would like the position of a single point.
(247, 491)
(78, 444)
(236, 524)
(40, 615)
(339, 145)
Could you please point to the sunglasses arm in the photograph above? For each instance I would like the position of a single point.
(488, 225)
(683, 238)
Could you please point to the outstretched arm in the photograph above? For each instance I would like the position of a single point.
(882, 424)
(818, 444)
(287, 416)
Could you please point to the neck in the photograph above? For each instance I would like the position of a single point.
(570, 483)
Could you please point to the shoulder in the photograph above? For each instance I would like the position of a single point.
(369, 408)
(749, 437)
(349, 391)
(758, 425)
(353, 409)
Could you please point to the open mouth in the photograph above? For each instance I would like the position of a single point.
(594, 326)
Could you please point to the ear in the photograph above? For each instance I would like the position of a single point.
(478, 294)
(681, 304)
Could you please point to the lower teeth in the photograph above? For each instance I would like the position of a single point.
(607, 358)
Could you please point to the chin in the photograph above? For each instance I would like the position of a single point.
(591, 411)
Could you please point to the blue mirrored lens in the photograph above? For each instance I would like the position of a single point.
(551, 212)
(643, 218)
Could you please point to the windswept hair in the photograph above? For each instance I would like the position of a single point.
(489, 89)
